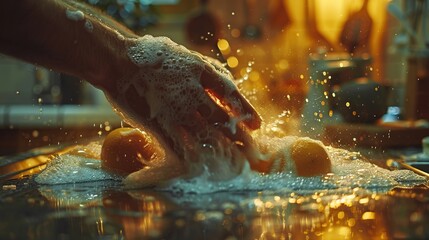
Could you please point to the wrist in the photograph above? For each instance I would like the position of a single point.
(113, 64)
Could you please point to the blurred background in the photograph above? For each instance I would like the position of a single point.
(314, 68)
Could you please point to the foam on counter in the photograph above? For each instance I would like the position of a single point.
(350, 170)
(73, 169)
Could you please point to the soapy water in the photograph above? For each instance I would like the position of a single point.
(349, 170)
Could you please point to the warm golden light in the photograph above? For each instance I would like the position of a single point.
(282, 65)
(223, 46)
(254, 76)
(368, 216)
(235, 33)
(232, 62)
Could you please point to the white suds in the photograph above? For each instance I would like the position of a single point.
(88, 26)
(75, 15)
(72, 169)
(350, 170)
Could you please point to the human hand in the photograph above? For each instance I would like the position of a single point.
(189, 103)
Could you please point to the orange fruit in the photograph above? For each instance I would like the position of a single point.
(310, 157)
(126, 150)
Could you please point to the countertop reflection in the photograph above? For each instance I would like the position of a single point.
(104, 210)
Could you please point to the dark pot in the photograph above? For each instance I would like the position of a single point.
(361, 101)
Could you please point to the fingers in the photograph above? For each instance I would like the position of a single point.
(214, 119)
(225, 94)
(239, 136)
(252, 118)
(229, 105)
(246, 144)
(213, 113)
(216, 147)
(153, 176)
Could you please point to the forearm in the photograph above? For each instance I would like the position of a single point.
(102, 17)
(59, 35)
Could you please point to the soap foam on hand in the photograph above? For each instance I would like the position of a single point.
(168, 98)
(75, 15)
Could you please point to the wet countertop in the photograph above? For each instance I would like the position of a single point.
(104, 210)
